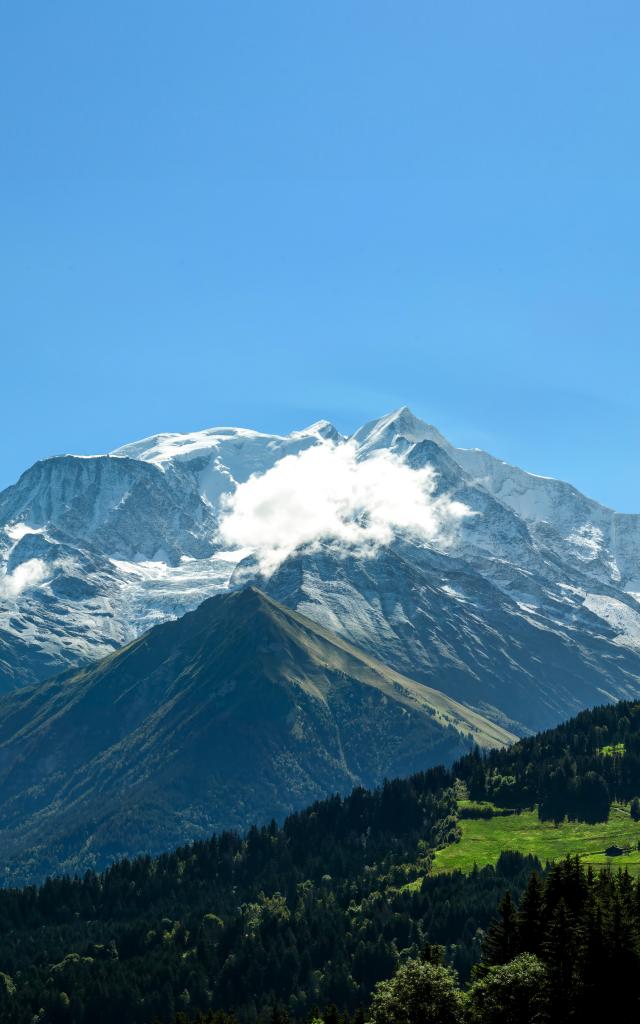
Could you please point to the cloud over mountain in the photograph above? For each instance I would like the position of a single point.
(326, 495)
(29, 574)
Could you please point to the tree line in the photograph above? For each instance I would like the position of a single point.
(575, 770)
(312, 914)
(315, 912)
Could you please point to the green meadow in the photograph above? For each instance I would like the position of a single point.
(484, 839)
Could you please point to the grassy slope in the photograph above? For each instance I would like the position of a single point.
(483, 840)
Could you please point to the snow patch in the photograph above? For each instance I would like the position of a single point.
(588, 541)
(16, 531)
(620, 616)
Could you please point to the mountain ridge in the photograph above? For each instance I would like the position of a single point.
(134, 541)
(239, 711)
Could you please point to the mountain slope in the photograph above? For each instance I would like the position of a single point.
(433, 618)
(240, 711)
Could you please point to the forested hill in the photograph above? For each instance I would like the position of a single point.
(575, 770)
(570, 951)
(310, 914)
(307, 914)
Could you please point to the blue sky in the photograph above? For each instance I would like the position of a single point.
(268, 213)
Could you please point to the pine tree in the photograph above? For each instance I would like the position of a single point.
(501, 942)
(530, 915)
(593, 995)
(622, 947)
(559, 954)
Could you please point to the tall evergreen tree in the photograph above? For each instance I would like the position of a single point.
(501, 942)
(530, 916)
(559, 953)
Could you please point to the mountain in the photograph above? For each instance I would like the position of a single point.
(94, 550)
(240, 711)
(527, 612)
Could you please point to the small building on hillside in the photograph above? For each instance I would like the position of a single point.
(614, 851)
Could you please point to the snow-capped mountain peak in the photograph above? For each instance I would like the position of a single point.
(323, 429)
(94, 550)
(166, 448)
(400, 424)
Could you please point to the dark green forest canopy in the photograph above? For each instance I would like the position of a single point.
(575, 770)
(568, 951)
(307, 914)
(313, 914)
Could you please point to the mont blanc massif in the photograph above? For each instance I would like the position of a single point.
(203, 631)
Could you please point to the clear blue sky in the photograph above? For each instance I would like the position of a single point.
(264, 213)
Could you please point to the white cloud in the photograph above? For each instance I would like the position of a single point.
(324, 494)
(29, 574)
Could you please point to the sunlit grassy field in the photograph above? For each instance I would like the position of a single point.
(484, 839)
